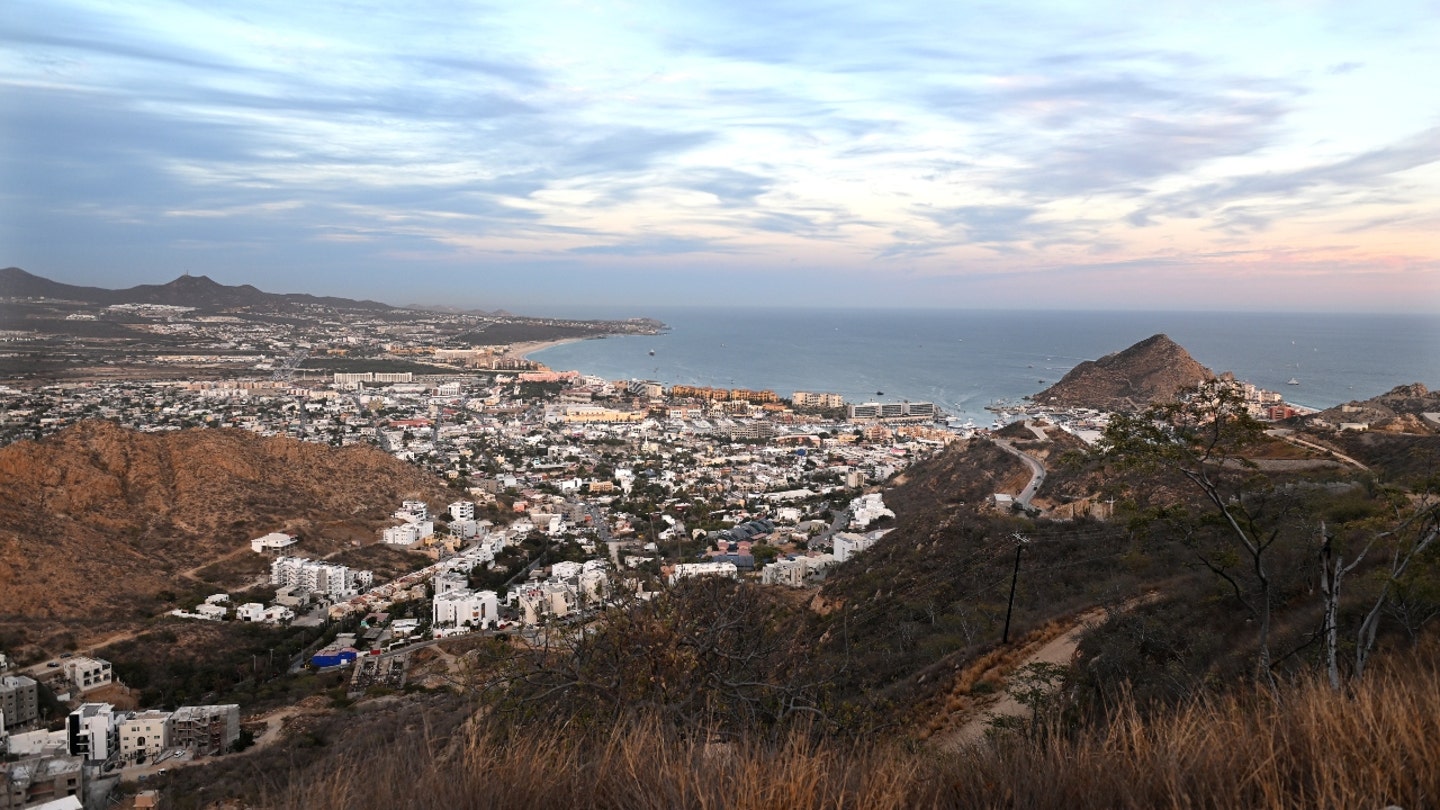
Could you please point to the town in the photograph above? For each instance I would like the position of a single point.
(570, 493)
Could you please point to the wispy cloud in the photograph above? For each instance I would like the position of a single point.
(876, 141)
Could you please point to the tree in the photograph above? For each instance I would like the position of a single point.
(1411, 539)
(1202, 438)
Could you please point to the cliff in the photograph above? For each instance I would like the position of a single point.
(1150, 371)
(97, 519)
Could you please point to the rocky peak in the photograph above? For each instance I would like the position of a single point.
(1148, 372)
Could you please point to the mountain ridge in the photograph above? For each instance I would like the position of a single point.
(200, 292)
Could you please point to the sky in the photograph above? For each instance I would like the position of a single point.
(1161, 154)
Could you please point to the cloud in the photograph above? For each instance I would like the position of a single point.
(656, 246)
(993, 223)
(1239, 203)
(732, 187)
(628, 149)
(1111, 132)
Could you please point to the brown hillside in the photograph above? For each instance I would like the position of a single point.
(1150, 371)
(97, 519)
(1399, 410)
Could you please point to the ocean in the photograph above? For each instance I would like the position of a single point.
(964, 361)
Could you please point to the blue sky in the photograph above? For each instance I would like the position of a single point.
(1168, 155)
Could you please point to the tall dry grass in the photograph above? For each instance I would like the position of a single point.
(1377, 745)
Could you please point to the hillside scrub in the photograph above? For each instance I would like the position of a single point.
(1303, 746)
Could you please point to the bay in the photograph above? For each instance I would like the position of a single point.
(965, 360)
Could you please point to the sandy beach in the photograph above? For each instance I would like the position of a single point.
(530, 347)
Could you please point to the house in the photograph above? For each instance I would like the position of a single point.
(789, 572)
(250, 612)
(88, 674)
(275, 541)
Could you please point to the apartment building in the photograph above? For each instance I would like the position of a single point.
(205, 729)
(314, 576)
(145, 734)
(19, 700)
(93, 732)
(455, 608)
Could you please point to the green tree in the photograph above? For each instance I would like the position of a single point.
(1202, 440)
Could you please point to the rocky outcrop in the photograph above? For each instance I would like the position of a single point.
(1151, 371)
(1402, 409)
(98, 515)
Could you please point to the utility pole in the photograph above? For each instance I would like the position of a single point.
(1020, 541)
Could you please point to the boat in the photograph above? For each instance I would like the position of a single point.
(879, 393)
(1292, 381)
(652, 352)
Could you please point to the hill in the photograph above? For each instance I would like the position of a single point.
(98, 519)
(1402, 409)
(1151, 371)
(200, 292)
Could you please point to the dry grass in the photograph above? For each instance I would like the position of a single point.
(1310, 748)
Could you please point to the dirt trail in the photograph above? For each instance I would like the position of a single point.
(967, 725)
(970, 727)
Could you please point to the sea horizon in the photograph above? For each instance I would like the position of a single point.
(966, 359)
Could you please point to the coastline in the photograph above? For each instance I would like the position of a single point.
(529, 347)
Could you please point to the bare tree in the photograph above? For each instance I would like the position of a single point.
(1203, 438)
(1412, 536)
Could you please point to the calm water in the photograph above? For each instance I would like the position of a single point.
(965, 360)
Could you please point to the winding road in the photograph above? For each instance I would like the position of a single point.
(1037, 472)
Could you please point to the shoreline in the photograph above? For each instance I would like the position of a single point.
(529, 347)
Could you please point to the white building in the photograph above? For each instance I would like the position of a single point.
(35, 743)
(88, 673)
(314, 576)
(462, 510)
(408, 534)
(274, 541)
(848, 544)
(795, 572)
(867, 509)
(144, 734)
(784, 572)
(413, 511)
(93, 732)
(552, 598)
(457, 608)
(705, 569)
(451, 581)
(250, 612)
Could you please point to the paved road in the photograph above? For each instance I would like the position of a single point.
(1037, 472)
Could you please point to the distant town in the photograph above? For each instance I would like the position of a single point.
(570, 493)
